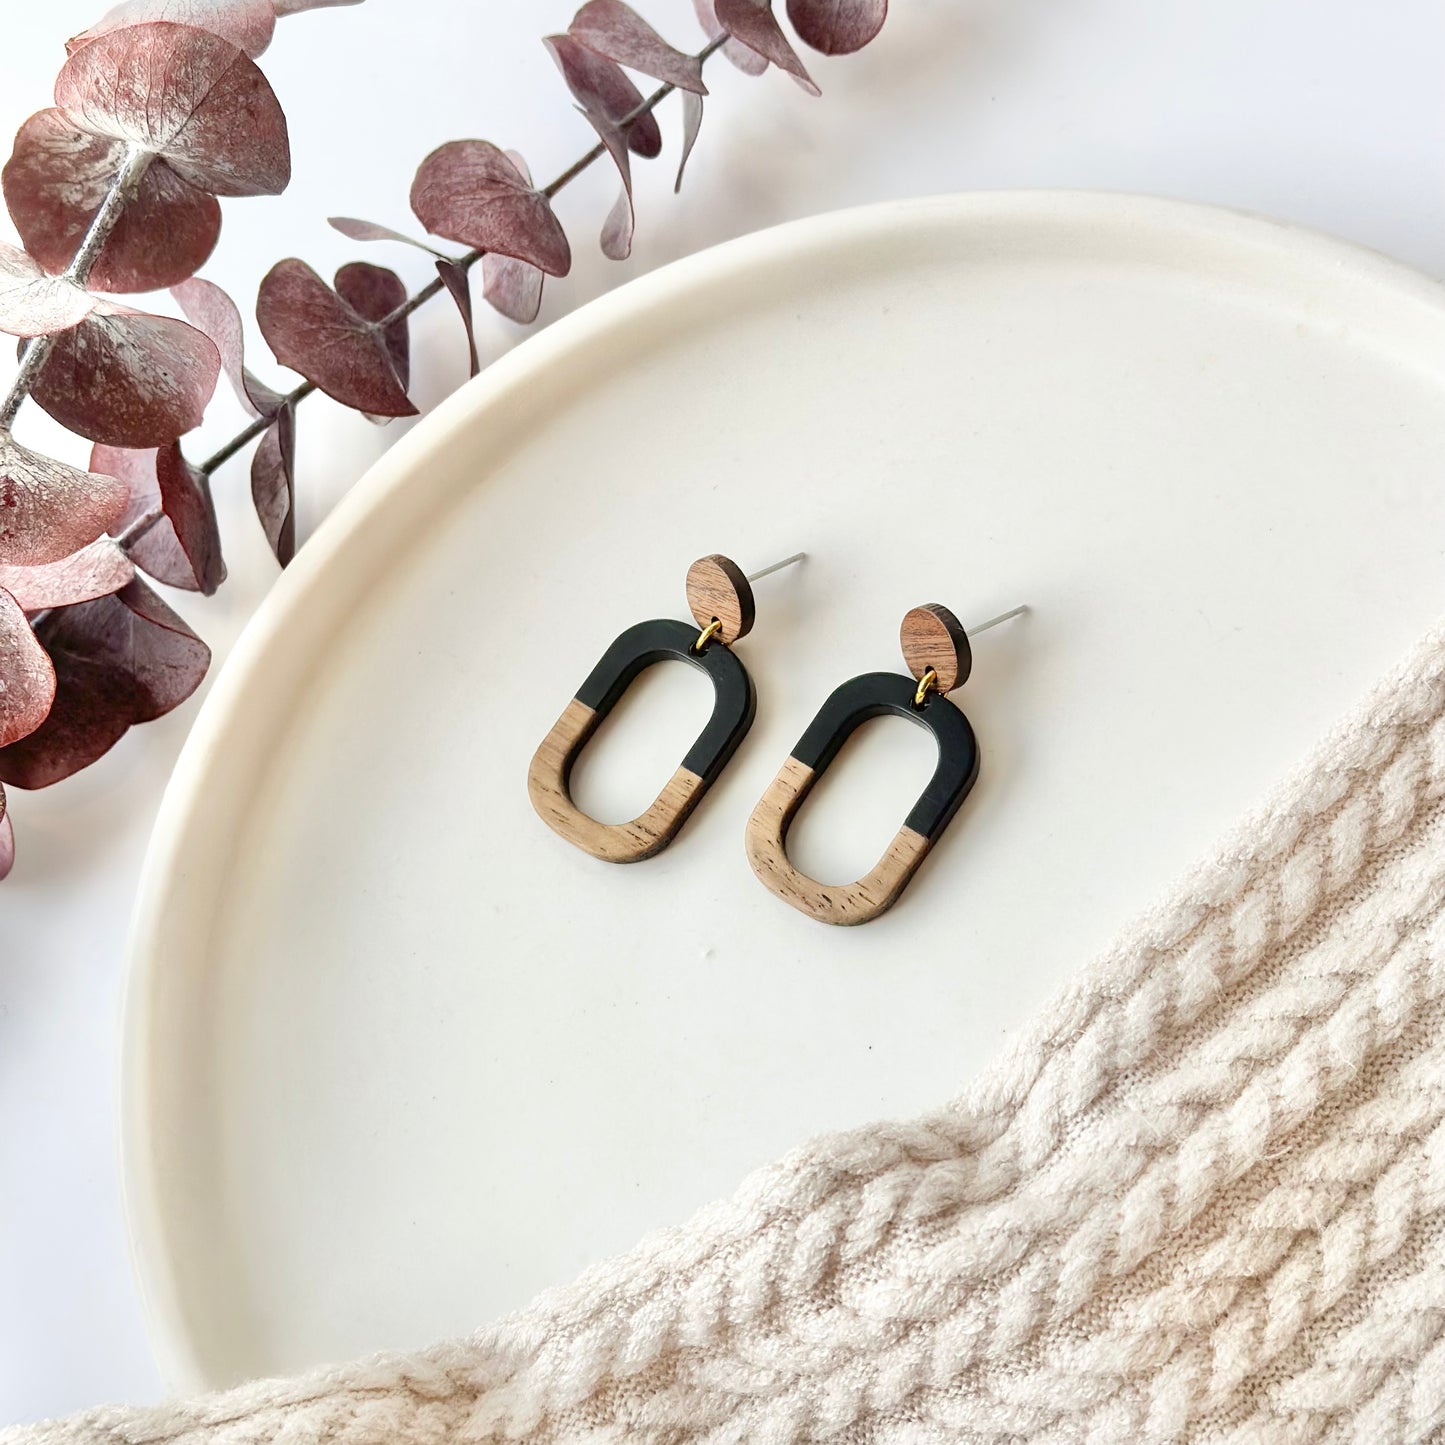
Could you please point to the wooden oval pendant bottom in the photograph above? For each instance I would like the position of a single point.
(636, 649)
(865, 697)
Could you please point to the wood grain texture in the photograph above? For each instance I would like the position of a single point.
(847, 903)
(932, 637)
(717, 588)
(547, 786)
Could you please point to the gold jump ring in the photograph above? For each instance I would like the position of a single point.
(708, 632)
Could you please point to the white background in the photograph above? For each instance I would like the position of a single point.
(1326, 114)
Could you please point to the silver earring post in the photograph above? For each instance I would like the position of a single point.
(972, 631)
(994, 621)
(776, 566)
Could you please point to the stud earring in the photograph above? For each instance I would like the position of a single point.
(936, 649)
(720, 598)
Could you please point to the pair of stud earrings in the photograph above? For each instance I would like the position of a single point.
(720, 597)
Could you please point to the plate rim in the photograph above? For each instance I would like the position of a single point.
(162, 1314)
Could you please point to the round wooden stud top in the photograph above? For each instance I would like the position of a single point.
(932, 637)
(717, 589)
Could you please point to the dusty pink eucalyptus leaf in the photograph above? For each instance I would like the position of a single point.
(748, 61)
(512, 287)
(151, 541)
(617, 228)
(212, 312)
(753, 22)
(691, 124)
(34, 304)
(618, 32)
(7, 840)
(94, 571)
(185, 498)
(315, 331)
(186, 95)
(295, 7)
(54, 182)
(454, 278)
(127, 379)
(48, 509)
(370, 231)
(520, 161)
(837, 27)
(247, 24)
(27, 679)
(273, 484)
(470, 192)
(136, 471)
(603, 90)
(176, 537)
(119, 660)
(375, 292)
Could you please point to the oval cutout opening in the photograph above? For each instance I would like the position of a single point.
(641, 742)
(859, 804)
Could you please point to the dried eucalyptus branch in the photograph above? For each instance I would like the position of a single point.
(122, 191)
(413, 303)
(464, 262)
(159, 110)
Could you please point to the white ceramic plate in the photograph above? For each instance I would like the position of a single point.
(397, 1057)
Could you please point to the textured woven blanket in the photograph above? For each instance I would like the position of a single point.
(1203, 1199)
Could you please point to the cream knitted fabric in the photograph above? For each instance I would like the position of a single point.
(1202, 1200)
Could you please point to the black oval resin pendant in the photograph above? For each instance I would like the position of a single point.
(734, 706)
(861, 698)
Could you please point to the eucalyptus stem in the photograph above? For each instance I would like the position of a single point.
(37, 352)
(253, 428)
